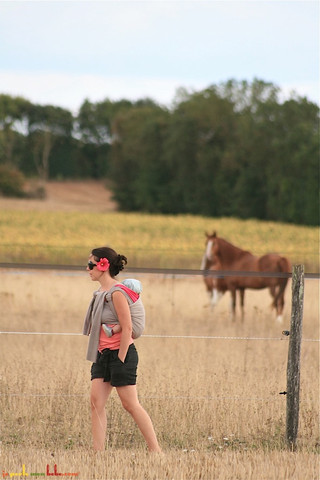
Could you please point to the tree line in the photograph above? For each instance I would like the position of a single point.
(233, 149)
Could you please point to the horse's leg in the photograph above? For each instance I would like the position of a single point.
(273, 293)
(277, 293)
(280, 305)
(216, 295)
(210, 293)
(233, 304)
(241, 292)
(208, 281)
(212, 301)
(285, 266)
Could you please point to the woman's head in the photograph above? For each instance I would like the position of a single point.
(116, 262)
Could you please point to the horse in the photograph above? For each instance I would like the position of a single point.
(217, 286)
(223, 256)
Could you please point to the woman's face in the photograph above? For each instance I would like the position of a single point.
(94, 273)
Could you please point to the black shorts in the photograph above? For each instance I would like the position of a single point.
(109, 367)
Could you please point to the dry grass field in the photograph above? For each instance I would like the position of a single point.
(211, 386)
(67, 196)
(215, 402)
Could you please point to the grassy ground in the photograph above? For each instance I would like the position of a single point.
(215, 402)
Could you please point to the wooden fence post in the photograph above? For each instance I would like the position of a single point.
(293, 367)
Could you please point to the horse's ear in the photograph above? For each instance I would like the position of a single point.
(207, 234)
(214, 235)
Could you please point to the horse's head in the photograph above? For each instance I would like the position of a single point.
(221, 253)
(212, 249)
(216, 286)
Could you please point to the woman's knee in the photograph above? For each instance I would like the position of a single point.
(130, 406)
(96, 403)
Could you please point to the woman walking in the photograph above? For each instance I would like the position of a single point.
(114, 358)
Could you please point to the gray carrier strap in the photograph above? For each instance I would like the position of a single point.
(136, 310)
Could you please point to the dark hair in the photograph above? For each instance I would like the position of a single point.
(117, 262)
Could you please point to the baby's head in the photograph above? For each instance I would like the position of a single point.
(133, 284)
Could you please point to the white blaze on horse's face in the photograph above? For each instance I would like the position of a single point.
(203, 262)
(209, 251)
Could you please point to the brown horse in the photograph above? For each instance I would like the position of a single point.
(223, 256)
(217, 286)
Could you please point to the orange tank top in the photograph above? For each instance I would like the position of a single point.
(113, 343)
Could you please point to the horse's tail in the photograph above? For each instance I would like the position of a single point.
(284, 266)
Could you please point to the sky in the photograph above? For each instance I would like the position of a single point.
(63, 52)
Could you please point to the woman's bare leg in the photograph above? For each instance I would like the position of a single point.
(129, 399)
(100, 392)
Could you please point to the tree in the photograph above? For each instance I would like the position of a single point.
(13, 118)
(232, 149)
(45, 125)
(293, 172)
(94, 130)
(199, 145)
(136, 164)
(256, 107)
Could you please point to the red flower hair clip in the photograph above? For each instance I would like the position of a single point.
(103, 265)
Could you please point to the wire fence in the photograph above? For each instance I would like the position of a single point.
(161, 271)
(191, 337)
(152, 397)
(169, 273)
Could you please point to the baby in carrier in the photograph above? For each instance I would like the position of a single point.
(135, 286)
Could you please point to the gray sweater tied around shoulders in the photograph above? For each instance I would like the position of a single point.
(92, 324)
(101, 310)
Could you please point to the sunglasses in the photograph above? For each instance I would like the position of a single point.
(91, 265)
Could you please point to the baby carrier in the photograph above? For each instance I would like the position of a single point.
(137, 311)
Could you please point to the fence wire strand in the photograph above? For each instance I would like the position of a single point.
(192, 337)
(147, 397)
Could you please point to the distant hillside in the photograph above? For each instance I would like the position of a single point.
(83, 196)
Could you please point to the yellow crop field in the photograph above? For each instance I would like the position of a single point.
(211, 385)
(165, 241)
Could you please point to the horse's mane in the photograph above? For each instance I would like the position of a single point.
(233, 250)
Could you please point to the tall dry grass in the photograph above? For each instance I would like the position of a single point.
(215, 403)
